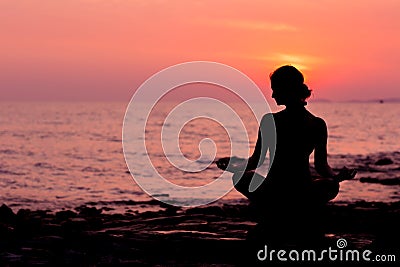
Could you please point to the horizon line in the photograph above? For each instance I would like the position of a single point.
(321, 100)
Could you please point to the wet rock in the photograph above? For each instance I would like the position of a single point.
(89, 212)
(172, 210)
(48, 241)
(107, 209)
(28, 226)
(77, 221)
(384, 161)
(210, 236)
(65, 214)
(212, 210)
(383, 181)
(6, 231)
(6, 214)
(74, 226)
(22, 213)
(51, 229)
(10, 257)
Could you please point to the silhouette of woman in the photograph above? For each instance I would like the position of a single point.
(289, 192)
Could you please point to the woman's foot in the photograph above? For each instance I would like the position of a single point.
(233, 164)
(345, 174)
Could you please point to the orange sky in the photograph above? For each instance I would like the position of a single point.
(104, 49)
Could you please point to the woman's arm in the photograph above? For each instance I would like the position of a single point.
(321, 157)
(257, 158)
(320, 153)
(266, 137)
(259, 153)
(235, 164)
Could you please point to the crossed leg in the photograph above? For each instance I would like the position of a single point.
(321, 190)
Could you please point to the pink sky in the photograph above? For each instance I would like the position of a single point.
(104, 49)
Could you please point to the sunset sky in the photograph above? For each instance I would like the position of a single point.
(95, 50)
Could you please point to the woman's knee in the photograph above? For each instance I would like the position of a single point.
(241, 180)
(325, 189)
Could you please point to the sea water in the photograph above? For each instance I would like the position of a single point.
(58, 155)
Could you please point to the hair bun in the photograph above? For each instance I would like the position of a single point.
(304, 91)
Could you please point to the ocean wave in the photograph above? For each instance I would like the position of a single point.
(11, 172)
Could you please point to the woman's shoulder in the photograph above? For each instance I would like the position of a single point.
(268, 117)
(316, 119)
(318, 122)
(273, 115)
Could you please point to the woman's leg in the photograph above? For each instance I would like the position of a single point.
(246, 183)
(324, 189)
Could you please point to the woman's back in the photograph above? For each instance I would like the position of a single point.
(296, 135)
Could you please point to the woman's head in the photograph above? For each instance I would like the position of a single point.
(288, 86)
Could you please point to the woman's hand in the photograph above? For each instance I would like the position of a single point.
(233, 164)
(222, 163)
(346, 174)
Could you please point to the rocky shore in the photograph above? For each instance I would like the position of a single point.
(205, 236)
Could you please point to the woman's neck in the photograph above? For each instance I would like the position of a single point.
(295, 107)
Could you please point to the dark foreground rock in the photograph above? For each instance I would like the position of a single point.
(383, 181)
(214, 235)
(384, 161)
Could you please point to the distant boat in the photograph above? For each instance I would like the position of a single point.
(381, 101)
